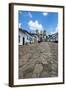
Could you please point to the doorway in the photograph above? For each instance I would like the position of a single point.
(23, 40)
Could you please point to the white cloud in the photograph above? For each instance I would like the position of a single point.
(45, 13)
(30, 15)
(19, 25)
(56, 30)
(35, 25)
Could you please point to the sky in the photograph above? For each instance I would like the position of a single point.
(32, 21)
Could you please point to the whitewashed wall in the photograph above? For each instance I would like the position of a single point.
(21, 38)
(26, 40)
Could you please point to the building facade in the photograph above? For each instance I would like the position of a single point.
(24, 37)
(53, 37)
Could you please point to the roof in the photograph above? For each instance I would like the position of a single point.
(22, 30)
(25, 31)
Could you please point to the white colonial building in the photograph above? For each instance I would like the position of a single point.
(53, 37)
(25, 37)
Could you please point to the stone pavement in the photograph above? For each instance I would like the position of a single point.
(38, 60)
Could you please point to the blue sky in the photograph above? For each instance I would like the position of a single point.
(31, 21)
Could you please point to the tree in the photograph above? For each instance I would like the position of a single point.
(37, 32)
(44, 35)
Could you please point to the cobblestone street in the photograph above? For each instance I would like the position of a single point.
(38, 60)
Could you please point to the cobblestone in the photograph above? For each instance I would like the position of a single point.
(38, 60)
